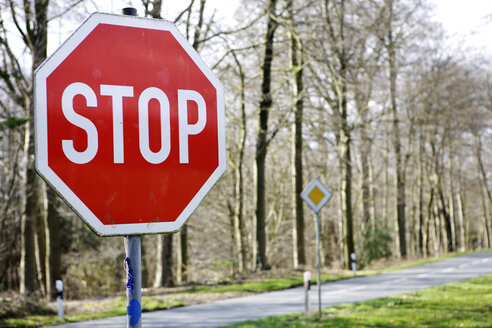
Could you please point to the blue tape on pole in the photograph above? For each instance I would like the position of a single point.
(129, 271)
(134, 310)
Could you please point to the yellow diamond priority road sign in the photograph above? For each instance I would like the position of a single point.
(316, 195)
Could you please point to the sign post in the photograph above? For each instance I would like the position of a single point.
(133, 268)
(133, 261)
(316, 195)
(129, 130)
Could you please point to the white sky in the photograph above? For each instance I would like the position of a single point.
(467, 22)
(224, 10)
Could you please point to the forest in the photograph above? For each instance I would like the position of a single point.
(367, 95)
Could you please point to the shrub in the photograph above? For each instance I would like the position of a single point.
(95, 276)
(376, 243)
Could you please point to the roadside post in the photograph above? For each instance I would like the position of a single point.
(354, 263)
(316, 195)
(307, 287)
(133, 260)
(129, 131)
(59, 299)
(133, 268)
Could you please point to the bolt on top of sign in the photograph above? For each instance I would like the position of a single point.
(129, 125)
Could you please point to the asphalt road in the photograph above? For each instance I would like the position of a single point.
(241, 309)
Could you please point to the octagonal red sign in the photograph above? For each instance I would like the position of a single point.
(129, 125)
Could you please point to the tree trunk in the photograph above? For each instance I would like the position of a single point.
(399, 181)
(365, 200)
(339, 73)
(239, 226)
(296, 51)
(158, 262)
(183, 260)
(346, 173)
(386, 183)
(167, 261)
(447, 221)
(53, 243)
(361, 102)
(348, 230)
(420, 195)
(430, 204)
(372, 195)
(37, 29)
(452, 204)
(486, 213)
(164, 276)
(156, 9)
(239, 234)
(461, 221)
(28, 280)
(341, 220)
(437, 227)
(40, 244)
(262, 136)
(484, 184)
(146, 280)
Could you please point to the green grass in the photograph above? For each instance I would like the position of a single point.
(89, 311)
(267, 285)
(420, 262)
(463, 304)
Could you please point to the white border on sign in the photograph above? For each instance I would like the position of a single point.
(305, 195)
(41, 124)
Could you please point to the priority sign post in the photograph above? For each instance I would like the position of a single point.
(129, 130)
(316, 195)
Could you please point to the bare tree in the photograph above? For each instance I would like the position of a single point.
(399, 181)
(239, 233)
(262, 133)
(297, 66)
(19, 87)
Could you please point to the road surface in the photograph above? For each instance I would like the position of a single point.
(252, 307)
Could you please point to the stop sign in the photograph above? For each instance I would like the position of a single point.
(129, 125)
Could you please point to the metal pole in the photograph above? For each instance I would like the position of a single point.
(134, 284)
(319, 262)
(133, 249)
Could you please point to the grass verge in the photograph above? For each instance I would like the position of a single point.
(462, 304)
(87, 311)
(267, 285)
(44, 316)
